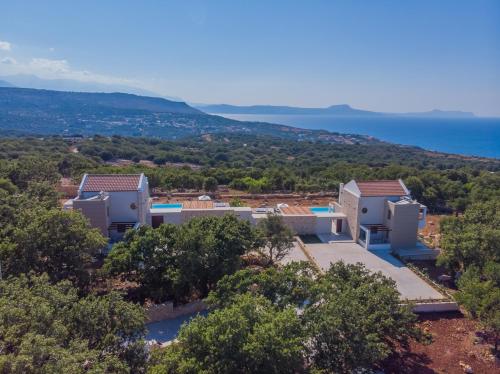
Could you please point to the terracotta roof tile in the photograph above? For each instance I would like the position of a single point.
(111, 182)
(381, 188)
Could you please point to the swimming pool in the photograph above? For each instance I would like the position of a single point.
(321, 209)
(166, 206)
(167, 330)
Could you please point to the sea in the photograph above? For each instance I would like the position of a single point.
(465, 136)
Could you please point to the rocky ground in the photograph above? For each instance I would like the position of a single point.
(457, 348)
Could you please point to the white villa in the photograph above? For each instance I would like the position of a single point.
(376, 214)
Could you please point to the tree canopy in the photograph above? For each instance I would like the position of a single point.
(347, 319)
(57, 242)
(249, 336)
(179, 261)
(473, 239)
(47, 328)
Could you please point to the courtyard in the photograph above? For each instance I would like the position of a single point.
(411, 286)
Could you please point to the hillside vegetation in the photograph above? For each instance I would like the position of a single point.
(45, 112)
(261, 164)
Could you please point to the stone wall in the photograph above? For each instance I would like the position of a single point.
(435, 307)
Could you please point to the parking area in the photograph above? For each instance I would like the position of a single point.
(408, 283)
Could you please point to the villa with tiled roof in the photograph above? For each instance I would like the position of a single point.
(375, 214)
(113, 203)
(381, 213)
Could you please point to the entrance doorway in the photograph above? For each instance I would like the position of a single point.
(156, 221)
(337, 226)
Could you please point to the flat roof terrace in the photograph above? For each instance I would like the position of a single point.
(197, 204)
(297, 211)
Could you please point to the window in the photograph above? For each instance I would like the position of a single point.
(389, 214)
(364, 210)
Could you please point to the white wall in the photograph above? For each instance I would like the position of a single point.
(119, 207)
(375, 206)
(173, 217)
(323, 225)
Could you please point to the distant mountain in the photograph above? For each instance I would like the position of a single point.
(436, 113)
(333, 110)
(32, 81)
(45, 112)
(6, 84)
(69, 102)
(341, 110)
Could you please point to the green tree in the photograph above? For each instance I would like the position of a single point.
(43, 194)
(473, 239)
(57, 242)
(291, 285)
(236, 202)
(479, 294)
(210, 184)
(7, 185)
(354, 320)
(177, 261)
(249, 336)
(33, 169)
(277, 238)
(415, 186)
(146, 256)
(46, 328)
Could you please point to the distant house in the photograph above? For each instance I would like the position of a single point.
(381, 214)
(113, 202)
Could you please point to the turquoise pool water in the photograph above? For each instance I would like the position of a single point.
(321, 209)
(166, 206)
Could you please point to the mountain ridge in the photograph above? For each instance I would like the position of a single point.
(335, 110)
(73, 85)
(47, 112)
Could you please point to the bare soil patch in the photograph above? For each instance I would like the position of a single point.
(456, 346)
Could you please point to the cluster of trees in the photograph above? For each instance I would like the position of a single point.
(50, 322)
(181, 262)
(471, 248)
(46, 327)
(285, 320)
(259, 164)
(35, 234)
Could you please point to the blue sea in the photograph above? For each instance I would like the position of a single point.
(468, 136)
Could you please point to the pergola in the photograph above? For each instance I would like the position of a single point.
(376, 227)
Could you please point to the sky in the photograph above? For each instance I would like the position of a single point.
(392, 56)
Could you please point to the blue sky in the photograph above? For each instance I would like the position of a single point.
(376, 55)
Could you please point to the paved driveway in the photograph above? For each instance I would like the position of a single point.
(295, 254)
(408, 283)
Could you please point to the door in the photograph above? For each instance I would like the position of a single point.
(338, 228)
(156, 221)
